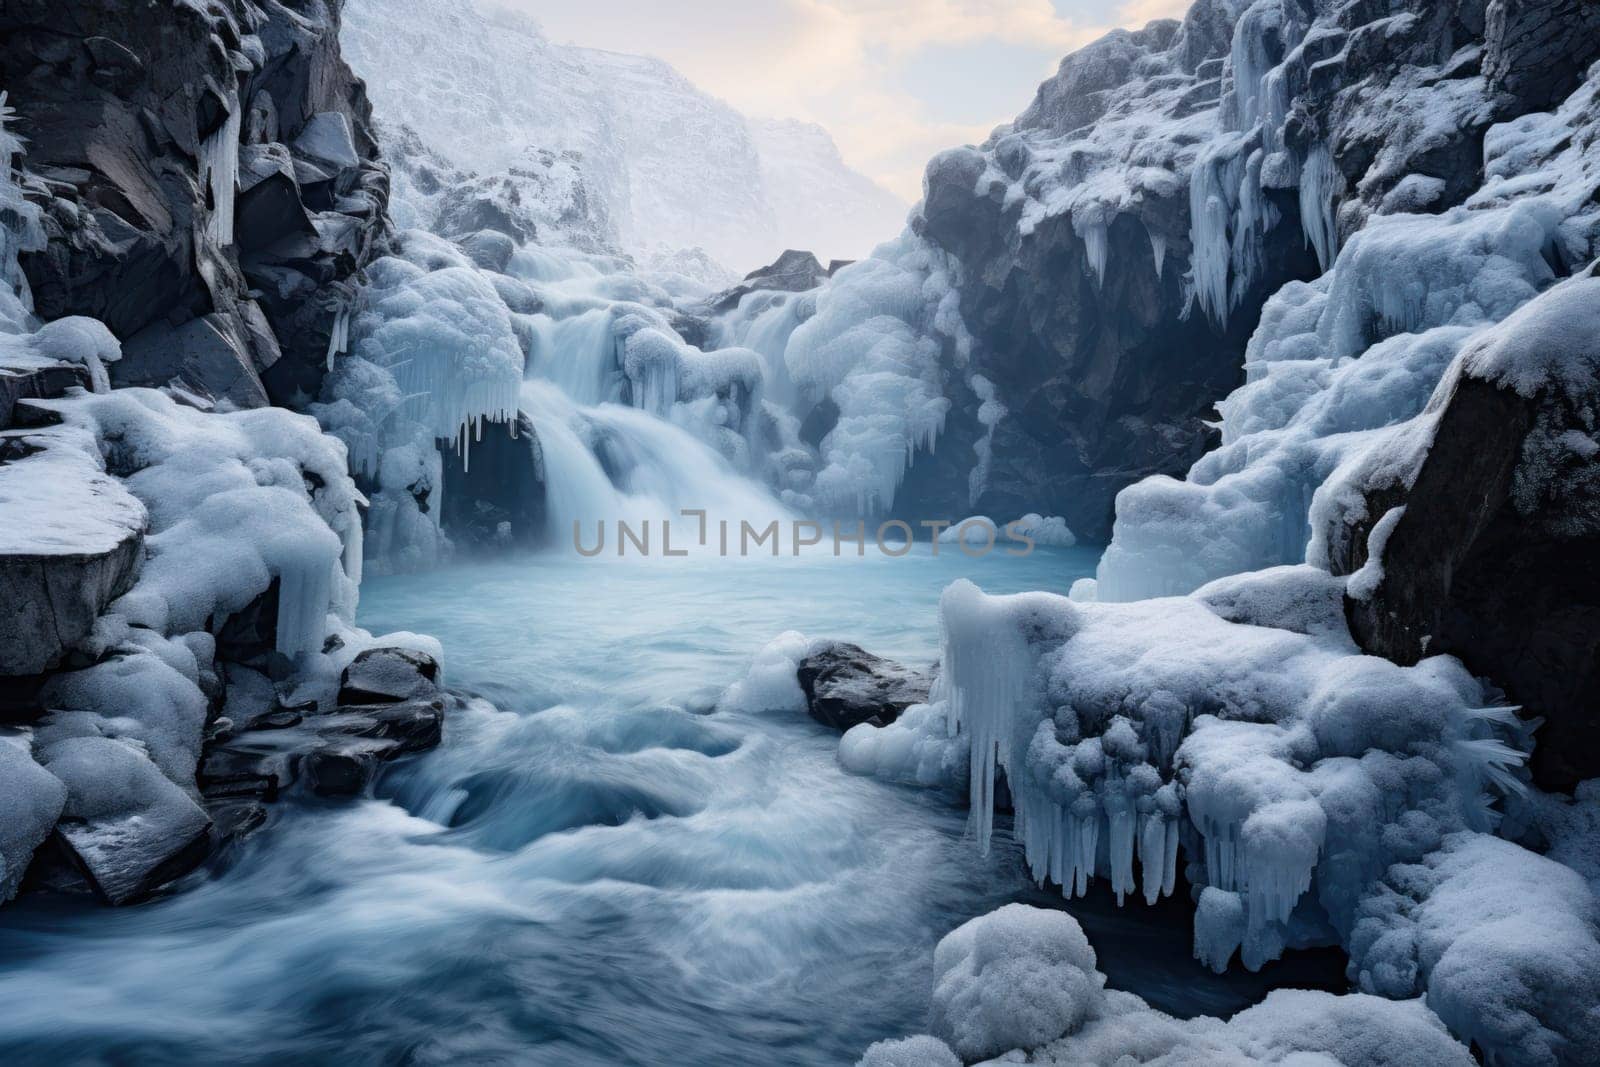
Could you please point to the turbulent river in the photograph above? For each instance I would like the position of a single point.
(607, 870)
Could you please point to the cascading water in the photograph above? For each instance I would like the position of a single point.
(607, 460)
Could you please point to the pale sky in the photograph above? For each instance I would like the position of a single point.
(894, 81)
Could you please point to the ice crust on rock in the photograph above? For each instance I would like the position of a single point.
(232, 509)
(1341, 370)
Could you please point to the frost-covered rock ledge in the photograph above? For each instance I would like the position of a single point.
(179, 561)
(179, 646)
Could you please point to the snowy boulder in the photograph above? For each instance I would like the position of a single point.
(792, 272)
(1500, 575)
(130, 828)
(389, 676)
(845, 685)
(1502, 941)
(31, 800)
(919, 1051)
(489, 249)
(78, 550)
(1015, 978)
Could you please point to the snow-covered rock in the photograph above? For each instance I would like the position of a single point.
(32, 800)
(1014, 978)
(79, 551)
(129, 826)
(1292, 770)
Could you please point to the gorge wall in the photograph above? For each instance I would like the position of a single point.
(1118, 241)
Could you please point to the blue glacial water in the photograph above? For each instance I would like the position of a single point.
(606, 870)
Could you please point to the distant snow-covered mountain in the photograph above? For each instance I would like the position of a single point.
(820, 202)
(670, 166)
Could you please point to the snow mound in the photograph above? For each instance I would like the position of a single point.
(773, 681)
(1014, 978)
(921, 747)
(1502, 941)
(919, 1051)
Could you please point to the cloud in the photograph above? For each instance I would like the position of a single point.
(843, 63)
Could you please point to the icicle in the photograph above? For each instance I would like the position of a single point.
(1158, 250)
(988, 666)
(1097, 248)
(1320, 183)
(1121, 822)
(339, 336)
(305, 590)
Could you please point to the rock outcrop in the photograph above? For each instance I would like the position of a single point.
(210, 184)
(1119, 239)
(845, 685)
(390, 704)
(1490, 556)
(793, 272)
(202, 195)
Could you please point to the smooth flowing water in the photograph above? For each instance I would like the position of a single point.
(606, 870)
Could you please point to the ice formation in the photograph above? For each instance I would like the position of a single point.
(1317, 795)
(1294, 772)
(1340, 370)
(980, 530)
(876, 344)
(230, 513)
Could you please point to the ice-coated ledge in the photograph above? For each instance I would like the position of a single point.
(74, 545)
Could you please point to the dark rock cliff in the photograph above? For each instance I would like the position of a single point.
(210, 181)
(1107, 334)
